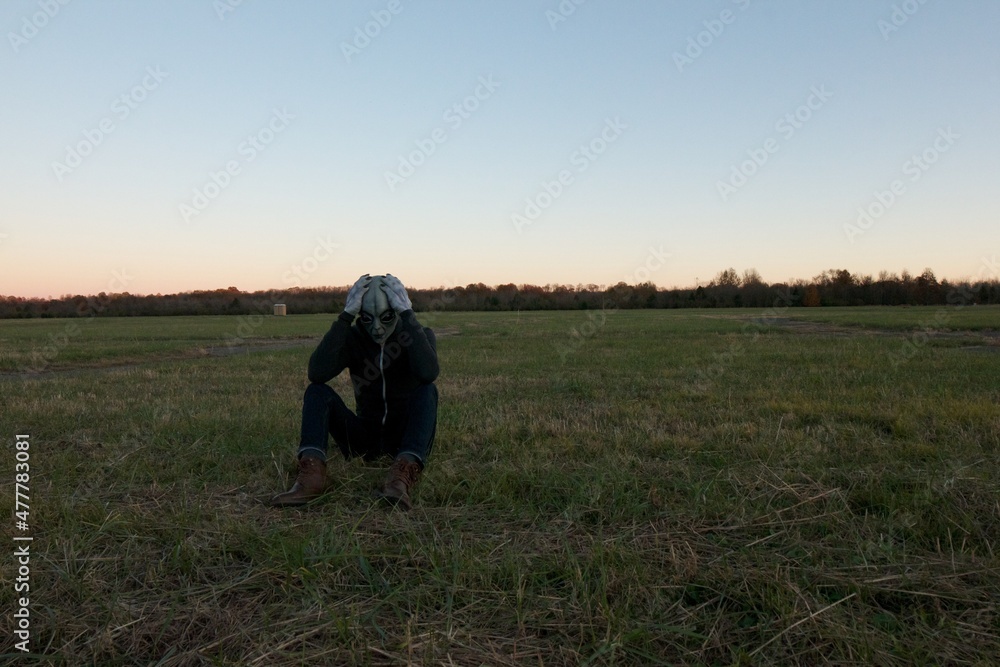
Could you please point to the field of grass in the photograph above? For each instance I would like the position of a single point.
(628, 488)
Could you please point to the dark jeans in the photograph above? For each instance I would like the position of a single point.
(408, 430)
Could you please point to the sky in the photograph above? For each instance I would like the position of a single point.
(175, 145)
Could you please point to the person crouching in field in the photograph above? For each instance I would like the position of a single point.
(393, 363)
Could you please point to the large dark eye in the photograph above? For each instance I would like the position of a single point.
(388, 317)
(366, 318)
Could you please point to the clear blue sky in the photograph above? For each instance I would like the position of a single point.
(670, 96)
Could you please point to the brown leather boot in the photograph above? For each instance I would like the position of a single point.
(309, 485)
(400, 480)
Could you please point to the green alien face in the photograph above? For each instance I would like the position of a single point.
(377, 317)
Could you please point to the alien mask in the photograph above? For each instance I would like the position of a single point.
(377, 317)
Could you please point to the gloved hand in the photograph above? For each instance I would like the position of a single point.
(396, 293)
(354, 296)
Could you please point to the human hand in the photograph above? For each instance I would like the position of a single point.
(396, 293)
(356, 293)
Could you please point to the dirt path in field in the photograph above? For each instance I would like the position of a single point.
(191, 354)
(981, 340)
(807, 327)
(985, 339)
(230, 350)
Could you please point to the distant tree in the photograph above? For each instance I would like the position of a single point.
(751, 277)
(726, 278)
(754, 291)
(831, 287)
(927, 288)
(811, 296)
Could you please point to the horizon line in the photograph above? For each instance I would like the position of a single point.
(598, 286)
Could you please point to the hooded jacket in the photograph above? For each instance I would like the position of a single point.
(383, 375)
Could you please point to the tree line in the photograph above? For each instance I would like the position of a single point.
(728, 289)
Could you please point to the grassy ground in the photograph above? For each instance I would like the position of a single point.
(636, 487)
